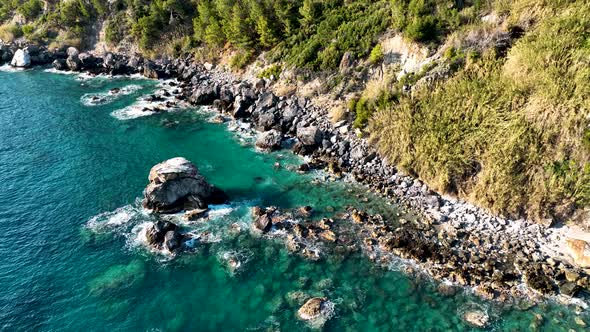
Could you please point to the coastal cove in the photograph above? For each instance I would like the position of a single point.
(73, 168)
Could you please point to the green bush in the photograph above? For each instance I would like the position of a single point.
(241, 59)
(422, 28)
(376, 55)
(28, 30)
(116, 29)
(30, 9)
(272, 70)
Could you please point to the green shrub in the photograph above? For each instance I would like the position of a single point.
(376, 55)
(28, 30)
(362, 112)
(116, 29)
(30, 9)
(241, 59)
(422, 28)
(272, 70)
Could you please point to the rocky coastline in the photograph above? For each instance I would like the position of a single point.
(452, 240)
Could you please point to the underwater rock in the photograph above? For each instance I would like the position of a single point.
(176, 184)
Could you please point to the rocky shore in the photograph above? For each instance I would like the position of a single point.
(452, 240)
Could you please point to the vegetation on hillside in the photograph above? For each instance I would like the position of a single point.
(510, 133)
(505, 127)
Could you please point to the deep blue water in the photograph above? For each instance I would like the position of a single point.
(70, 178)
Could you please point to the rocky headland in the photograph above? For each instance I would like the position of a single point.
(451, 240)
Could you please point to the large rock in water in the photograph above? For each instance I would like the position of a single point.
(21, 59)
(176, 184)
(313, 308)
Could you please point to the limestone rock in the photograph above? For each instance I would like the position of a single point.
(21, 59)
(176, 184)
(476, 318)
(312, 309)
(580, 251)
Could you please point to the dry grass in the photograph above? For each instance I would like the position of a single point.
(337, 113)
(8, 32)
(510, 134)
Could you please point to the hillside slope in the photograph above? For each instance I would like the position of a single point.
(484, 100)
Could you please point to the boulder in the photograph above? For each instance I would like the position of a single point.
(266, 101)
(346, 61)
(156, 232)
(73, 63)
(5, 53)
(262, 223)
(313, 308)
(580, 252)
(241, 105)
(176, 184)
(267, 120)
(33, 50)
(205, 94)
(21, 59)
(309, 136)
(60, 64)
(87, 60)
(72, 51)
(270, 140)
(151, 70)
(172, 240)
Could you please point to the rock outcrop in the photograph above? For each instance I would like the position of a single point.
(580, 251)
(21, 59)
(164, 235)
(314, 308)
(176, 185)
(270, 140)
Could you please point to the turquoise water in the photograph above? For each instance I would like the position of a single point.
(70, 259)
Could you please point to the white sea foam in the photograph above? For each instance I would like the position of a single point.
(328, 310)
(10, 69)
(218, 211)
(118, 217)
(136, 110)
(95, 99)
(60, 72)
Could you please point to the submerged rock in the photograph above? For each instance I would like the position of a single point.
(176, 184)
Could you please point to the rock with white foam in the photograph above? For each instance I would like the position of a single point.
(176, 185)
(316, 311)
(21, 59)
(476, 318)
